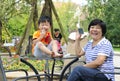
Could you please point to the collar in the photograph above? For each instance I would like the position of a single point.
(99, 41)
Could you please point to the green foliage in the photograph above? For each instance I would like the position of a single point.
(14, 63)
(112, 14)
(107, 10)
(14, 15)
(66, 13)
(17, 18)
(17, 24)
(95, 9)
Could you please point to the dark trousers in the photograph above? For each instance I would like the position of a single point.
(81, 73)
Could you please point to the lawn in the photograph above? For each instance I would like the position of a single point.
(117, 49)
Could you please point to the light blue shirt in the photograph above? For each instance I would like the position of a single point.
(104, 47)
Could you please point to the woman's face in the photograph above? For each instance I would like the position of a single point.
(44, 26)
(95, 32)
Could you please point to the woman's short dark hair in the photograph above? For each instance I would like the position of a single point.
(100, 23)
(44, 19)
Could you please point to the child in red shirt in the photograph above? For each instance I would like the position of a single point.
(43, 43)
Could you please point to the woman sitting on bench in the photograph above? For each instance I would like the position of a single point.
(98, 53)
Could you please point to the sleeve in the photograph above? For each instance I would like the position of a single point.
(85, 47)
(36, 35)
(105, 49)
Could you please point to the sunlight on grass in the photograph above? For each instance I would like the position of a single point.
(117, 49)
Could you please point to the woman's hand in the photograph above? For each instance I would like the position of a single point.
(78, 35)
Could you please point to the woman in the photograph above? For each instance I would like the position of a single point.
(98, 53)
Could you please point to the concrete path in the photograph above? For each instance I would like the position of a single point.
(117, 64)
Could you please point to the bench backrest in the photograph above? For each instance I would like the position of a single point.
(2, 72)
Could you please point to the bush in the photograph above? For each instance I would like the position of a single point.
(15, 63)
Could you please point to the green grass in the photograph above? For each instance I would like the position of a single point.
(117, 49)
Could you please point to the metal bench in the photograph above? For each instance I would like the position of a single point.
(117, 70)
(4, 78)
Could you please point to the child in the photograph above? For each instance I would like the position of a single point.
(44, 45)
(58, 37)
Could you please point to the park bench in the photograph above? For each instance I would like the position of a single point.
(4, 78)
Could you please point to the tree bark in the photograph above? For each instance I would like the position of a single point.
(58, 20)
(35, 16)
(0, 31)
(24, 41)
(48, 12)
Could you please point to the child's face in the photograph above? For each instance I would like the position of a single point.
(44, 26)
(57, 32)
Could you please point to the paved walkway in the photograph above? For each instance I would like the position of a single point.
(116, 64)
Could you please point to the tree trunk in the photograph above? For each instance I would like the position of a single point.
(48, 12)
(58, 20)
(35, 16)
(24, 41)
(0, 31)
